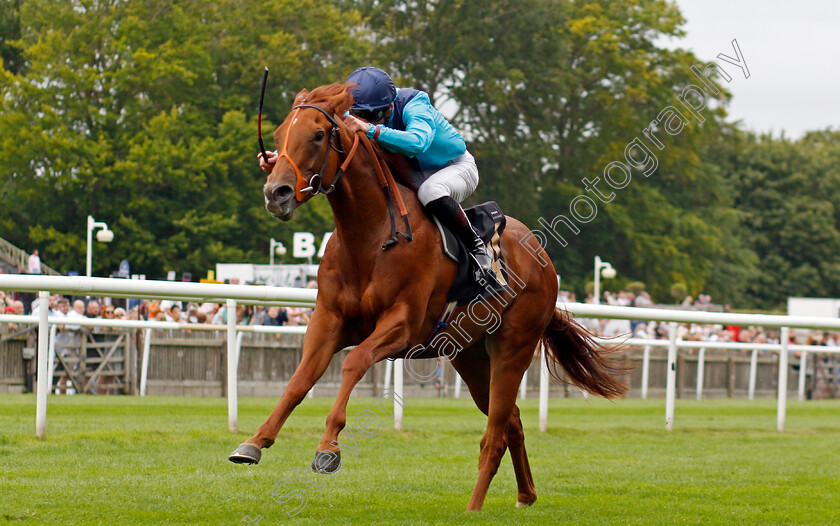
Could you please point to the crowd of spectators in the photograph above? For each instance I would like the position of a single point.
(687, 331)
(155, 310)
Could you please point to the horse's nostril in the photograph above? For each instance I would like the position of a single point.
(283, 193)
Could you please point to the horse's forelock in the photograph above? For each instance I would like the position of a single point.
(337, 96)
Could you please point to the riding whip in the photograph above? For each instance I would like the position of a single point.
(259, 116)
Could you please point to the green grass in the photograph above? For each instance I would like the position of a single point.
(163, 460)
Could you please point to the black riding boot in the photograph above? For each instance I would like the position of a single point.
(450, 213)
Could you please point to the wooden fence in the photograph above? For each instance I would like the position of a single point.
(195, 363)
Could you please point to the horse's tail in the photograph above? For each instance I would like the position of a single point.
(587, 363)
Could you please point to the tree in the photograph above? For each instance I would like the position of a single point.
(787, 192)
(143, 115)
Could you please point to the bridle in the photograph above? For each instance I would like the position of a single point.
(301, 184)
(314, 184)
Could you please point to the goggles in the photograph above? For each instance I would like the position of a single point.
(370, 115)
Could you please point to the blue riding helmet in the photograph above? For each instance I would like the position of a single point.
(373, 89)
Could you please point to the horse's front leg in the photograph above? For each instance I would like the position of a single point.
(391, 335)
(323, 339)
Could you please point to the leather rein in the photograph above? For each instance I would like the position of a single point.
(315, 183)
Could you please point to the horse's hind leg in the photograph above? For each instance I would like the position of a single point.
(474, 367)
(515, 434)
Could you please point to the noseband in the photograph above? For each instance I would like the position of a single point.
(313, 185)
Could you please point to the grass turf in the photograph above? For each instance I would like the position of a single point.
(163, 460)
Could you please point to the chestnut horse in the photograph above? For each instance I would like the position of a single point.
(386, 302)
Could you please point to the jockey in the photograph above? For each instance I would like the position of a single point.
(404, 121)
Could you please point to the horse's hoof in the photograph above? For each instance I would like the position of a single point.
(326, 462)
(246, 454)
(521, 504)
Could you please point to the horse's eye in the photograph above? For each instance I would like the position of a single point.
(319, 136)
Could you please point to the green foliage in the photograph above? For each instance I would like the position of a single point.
(787, 193)
(679, 291)
(636, 287)
(136, 114)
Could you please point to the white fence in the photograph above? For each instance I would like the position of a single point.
(44, 285)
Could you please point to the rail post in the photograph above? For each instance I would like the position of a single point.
(399, 393)
(543, 390)
(523, 386)
(701, 371)
(783, 378)
(232, 366)
(753, 370)
(645, 371)
(144, 367)
(43, 365)
(671, 381)
(803, 367)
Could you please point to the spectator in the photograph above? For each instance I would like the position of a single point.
(276, 316)
(209, 309)
(11, 327)
(108, 312)
(34, 263)
(54, 309)
(243, 314)
(119, 313)
(220, 318)
(167, 305)
(77, 312)
(63, 307)
(259, 315)
(297, 316)
(192, 313)
(642, 300)
(154, 309)
(53, 305)
(64, 343)
(92, 310)
(173, 313)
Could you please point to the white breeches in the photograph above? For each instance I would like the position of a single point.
(458, 179)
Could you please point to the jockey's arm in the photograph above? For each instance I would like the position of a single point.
(419, 118)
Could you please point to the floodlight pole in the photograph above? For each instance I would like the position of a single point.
(91, 226)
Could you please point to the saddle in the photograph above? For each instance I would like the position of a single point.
(488, 221)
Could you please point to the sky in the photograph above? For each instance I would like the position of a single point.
(792, 50)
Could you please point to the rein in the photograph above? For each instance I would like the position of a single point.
(314, 184)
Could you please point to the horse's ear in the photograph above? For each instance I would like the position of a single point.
(341, 101)
(300, 98)
(345, 104)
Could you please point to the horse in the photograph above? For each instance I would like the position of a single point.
(385, 299)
